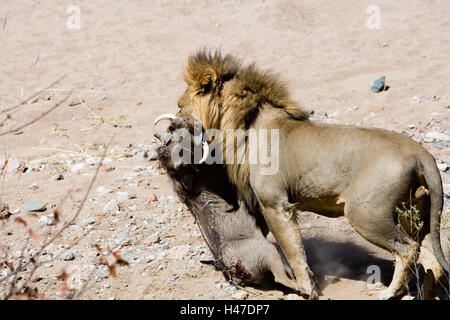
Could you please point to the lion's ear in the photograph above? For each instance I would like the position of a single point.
(207, 80)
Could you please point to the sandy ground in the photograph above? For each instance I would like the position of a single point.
(126, 63)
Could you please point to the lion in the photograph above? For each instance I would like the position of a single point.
(364, 174)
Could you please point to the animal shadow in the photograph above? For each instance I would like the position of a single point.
(345, 260)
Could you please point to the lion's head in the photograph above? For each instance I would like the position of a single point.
(224, 94)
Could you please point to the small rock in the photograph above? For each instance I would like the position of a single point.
(58, 177)
(100, 95)
(34, 186)
(111, 207)
(335, 114)
(432, 99)
(240, 295)
(230, 288)
(102, 190)
(35, 207)
(152, 155)
(440, 145)
(151, 198)
(132, 207)
(77, 167)
(428, 140)
(16, 211)
(437, 136)
(4, 210)
(69, 256)
(88, 221)
(141, 155)
(442, 167)
(351, 109)
(446, 187)
(378, 85)
(75, 101)
(48, 219)
(132, 196)
(122, 196)
(173, 278)
(42, 141)
(411, 126)
(292, 296)
(413, 100)
(178, 252)
(172, 201)
(13, 166)
(418, 139)
(407, 297)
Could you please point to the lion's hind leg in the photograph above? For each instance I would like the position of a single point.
(377, 226)
(434, 274)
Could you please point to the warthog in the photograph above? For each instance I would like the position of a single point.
(236, 238)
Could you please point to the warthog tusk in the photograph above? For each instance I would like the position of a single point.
(205, 152)
(166, 116)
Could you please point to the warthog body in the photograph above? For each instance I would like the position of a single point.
(235, 237)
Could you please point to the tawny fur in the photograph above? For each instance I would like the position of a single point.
(332, 170)
(224, 95)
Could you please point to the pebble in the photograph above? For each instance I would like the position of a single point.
(413, 100)
(432, 99)
(111, 207)
(122, 196)
(231, 288)
(75, 101)
(292, 296)
(335, 114)
(48, 219)
(378, 84)
(442, 167)
(100, 95)
(446, 187)
(440, 145)
(132, 196)
(141, 155)
(16, 211)
(352, 109)
(34, 186)
(438, 136)
(152, 154)
(240, 295)
(35, 207)
(173, 278)
(87, 221)
(58, 177)
(42, 141)
(151, 198)
(102, 190)
(132, 207)
(77, 167)
(69, 256)
(4, 210)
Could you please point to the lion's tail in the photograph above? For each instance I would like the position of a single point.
(434, 182)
